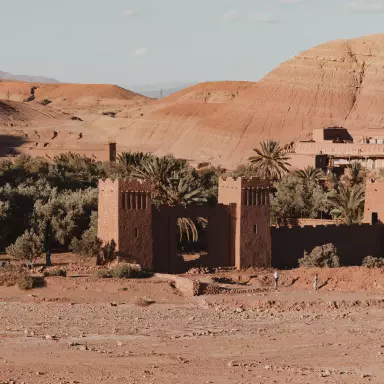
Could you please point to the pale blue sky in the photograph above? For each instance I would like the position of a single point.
(158, 41)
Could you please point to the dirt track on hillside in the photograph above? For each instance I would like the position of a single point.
(84, 330)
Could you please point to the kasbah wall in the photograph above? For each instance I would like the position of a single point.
(239, 231)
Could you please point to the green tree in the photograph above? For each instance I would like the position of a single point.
(132, 159)
(68, 213)
(27, 247)
(89, 245)
(296, 198)
(354, 174)
(348, 203)
(310, 174)
(73, 171)
(270, 160)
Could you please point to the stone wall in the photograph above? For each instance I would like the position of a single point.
(353, 243)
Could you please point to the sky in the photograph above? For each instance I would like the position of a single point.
(171, 41)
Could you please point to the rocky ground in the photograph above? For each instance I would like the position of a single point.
(82, 330)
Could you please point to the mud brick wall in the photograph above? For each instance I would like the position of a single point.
(353, 243)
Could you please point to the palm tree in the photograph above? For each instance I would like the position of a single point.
(354, 174)
(132, 159)
(182, 189)
(173, 184)
(348, 203)
(270, 160)
(310, 174)
(157, 169)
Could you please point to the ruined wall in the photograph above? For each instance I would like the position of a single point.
(108, 211)
(374, 200)
(353, 243)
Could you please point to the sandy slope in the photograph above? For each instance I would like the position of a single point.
(338, 83)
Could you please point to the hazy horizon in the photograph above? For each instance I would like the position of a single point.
(147, 42)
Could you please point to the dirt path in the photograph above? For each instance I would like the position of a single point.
(77, 330)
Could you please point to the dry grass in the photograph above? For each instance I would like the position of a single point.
(30, 282)
(10, 275)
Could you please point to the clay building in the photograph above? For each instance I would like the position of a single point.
(334, 148)
(374, 202)
(239, 232)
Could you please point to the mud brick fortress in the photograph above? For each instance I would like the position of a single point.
(238, 233)
(239, 230)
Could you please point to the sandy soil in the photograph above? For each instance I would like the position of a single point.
(82, 330)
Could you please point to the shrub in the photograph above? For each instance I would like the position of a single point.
(89, 244)
(107, 253)
(323, 256)
(10, 275)
(56, 272)
(373, 262)
(29, 282)
(103, 274)
(27, 247)
(126, 271)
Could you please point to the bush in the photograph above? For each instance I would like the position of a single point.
(10, 275)
(46, 102)
(323, 256)
(56, 272)
(123, 271)
(89, 245)
(29, 282)
(373, 262)
(27, 247)
(107, 253)
(103, 274)
(126, 271)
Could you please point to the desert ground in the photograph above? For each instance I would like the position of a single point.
(80, 329)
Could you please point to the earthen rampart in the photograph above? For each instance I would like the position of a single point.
(353, 242)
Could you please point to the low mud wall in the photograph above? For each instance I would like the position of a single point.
(353, 243)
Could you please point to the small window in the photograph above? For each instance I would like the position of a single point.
(255, 229)
(375, 218)
(123, 200)
(136, 232)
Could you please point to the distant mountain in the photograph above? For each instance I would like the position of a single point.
(159, 90)
(31, 79)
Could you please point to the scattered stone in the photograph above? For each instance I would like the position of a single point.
(83, 348)
(233, 363)
(120, 343)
